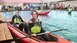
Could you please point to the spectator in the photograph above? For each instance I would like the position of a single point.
(1, 7)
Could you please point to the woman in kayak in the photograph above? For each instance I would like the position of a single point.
(18, 22)
(35, 27)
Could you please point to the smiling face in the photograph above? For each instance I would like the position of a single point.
(17, 13)
(34, 15)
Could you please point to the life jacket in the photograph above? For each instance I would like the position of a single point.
(17, 20)
(69, 9)
(36, 28)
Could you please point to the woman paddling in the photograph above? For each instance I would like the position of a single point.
(35, 27)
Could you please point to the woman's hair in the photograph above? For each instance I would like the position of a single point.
(32, 15)
(33, 12)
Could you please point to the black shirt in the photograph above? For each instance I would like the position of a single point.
(15, 16)
(30, 25)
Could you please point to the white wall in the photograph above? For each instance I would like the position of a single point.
(50, 0)
(71, 3)
(22, 1)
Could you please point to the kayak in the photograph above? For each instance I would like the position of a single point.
(19, 34)
(43, 13)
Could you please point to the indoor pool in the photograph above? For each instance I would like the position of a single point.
(53, 21)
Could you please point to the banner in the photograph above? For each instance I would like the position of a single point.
(1, 1)
(22, 1)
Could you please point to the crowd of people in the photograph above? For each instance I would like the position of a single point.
(13, 7)
(27, 6)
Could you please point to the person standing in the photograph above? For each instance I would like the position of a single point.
(69, 10)
(1, 7)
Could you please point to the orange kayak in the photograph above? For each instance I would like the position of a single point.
(18, 34)
(43, 13)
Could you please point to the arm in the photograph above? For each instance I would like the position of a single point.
(30, 24)
(29, 32)
(42, 30)
(13, 20)
(29, 28)
(21, 19)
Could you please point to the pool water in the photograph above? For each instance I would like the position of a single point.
(55, 20)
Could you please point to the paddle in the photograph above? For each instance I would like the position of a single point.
(51, 31)
(43, 33)
(59, 30)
